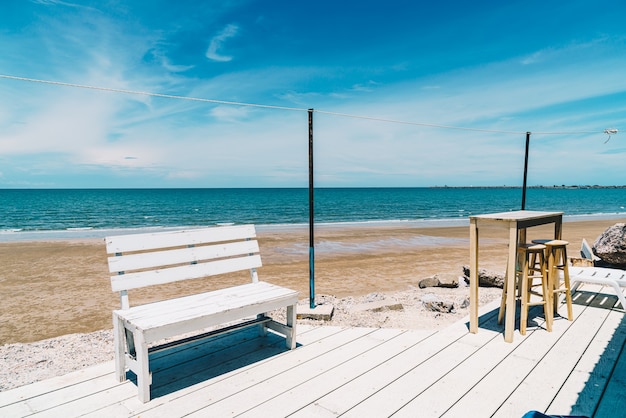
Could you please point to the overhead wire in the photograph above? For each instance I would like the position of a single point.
(150, 94)
(609, 132)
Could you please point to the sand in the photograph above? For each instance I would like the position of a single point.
(54, 291)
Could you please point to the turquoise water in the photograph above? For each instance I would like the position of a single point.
(94, 212)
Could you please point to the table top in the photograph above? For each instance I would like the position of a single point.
(517, 215)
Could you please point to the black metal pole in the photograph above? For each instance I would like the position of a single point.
(311, 217)
(525, 171)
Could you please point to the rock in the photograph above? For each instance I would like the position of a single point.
(378, 306)
(448, 280)
(439, 280)
(610, 246)
(433, 303)
(429, 282)
(486, 278)
(319, 312)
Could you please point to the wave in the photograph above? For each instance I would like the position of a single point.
(21, 234)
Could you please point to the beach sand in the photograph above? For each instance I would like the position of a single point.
(53, 288)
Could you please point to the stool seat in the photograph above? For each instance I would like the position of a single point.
(535, 246)
(550, 242)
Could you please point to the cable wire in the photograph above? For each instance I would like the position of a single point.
(609, 132)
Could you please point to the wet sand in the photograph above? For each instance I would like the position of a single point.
(53, 288)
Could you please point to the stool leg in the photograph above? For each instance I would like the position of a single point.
(552, 281)
(503, 300)
(525, 297)
(545, 287)
(568, 290)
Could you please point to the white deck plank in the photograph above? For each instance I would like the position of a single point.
(90, 391)
(54, 383)
(231, 384)
(131, 404)
(302, 393)
(55, 400)
(377, 378)
(503, 380)
(437, 398)
(544, 381)
(420, 374)
(69, 406)
(582, 390)
(287, 379)
(50, 393)
(613, 402)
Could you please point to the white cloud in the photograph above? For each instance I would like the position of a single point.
(215, 45)
(230, 113)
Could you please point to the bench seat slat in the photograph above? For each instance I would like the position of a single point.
(599, 273)
(174, 274)
(173, 310)
(142, 242)
(165, 319)
(184, 255)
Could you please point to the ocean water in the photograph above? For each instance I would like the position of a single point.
(80, 213)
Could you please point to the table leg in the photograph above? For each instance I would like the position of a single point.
(558, 229)
(473, 276)
(509, 324)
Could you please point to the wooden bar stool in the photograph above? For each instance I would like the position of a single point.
(530, 266)
(556, 253)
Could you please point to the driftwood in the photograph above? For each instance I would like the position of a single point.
(486, 278)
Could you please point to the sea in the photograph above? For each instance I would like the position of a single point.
(33, 214)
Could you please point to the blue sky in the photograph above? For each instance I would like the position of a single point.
(499, 68)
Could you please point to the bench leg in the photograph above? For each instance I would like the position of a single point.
(291, 322)
(143, 373)
(262, 327)
(118, 341)
(620, 294)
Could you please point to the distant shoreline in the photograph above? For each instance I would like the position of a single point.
(531, 187)
(562, 186)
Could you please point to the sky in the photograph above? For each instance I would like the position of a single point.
(405, 93)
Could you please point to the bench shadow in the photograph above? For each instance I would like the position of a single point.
(181, 367)
(595, 299)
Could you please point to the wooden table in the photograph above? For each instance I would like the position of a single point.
(516, 222)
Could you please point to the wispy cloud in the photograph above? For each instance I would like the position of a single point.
(217, 42)
(62, 3)
(230, 113)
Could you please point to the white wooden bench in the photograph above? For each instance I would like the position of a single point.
(142, 260)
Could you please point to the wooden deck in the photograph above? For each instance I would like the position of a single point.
(578, 369)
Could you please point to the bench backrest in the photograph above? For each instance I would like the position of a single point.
(142, 260)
